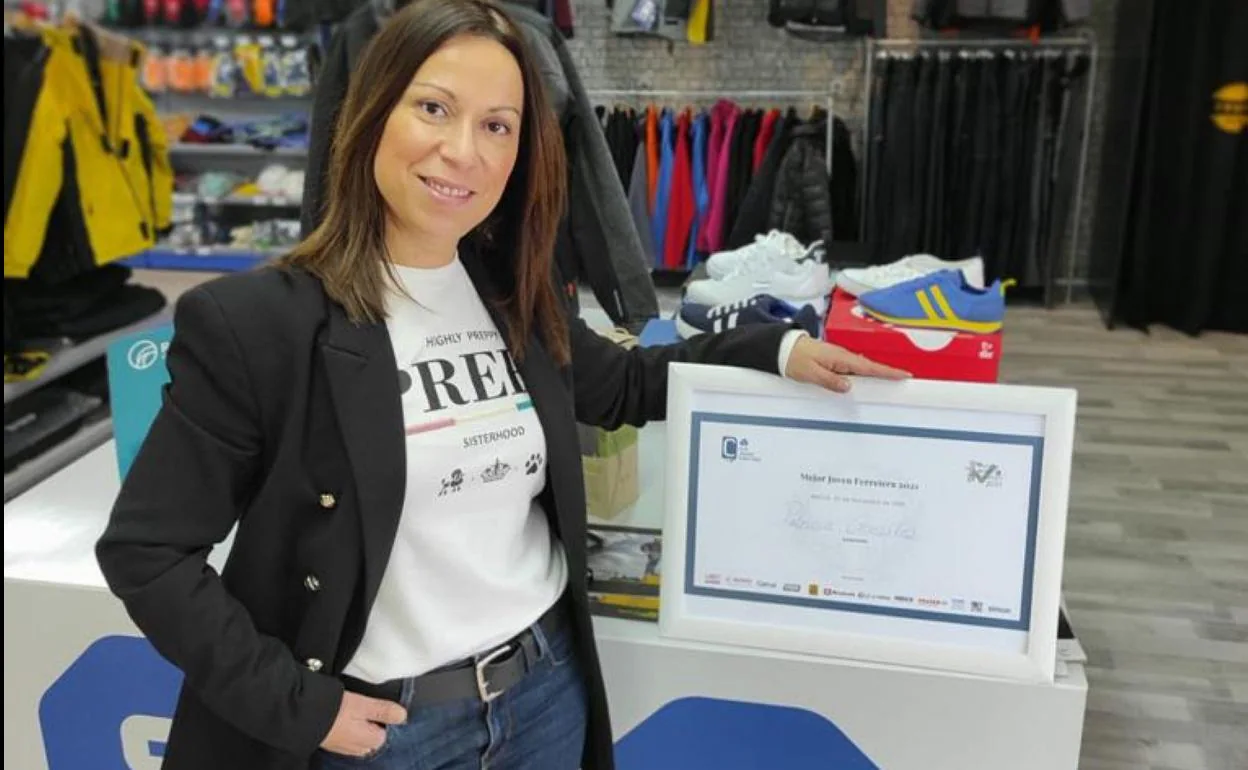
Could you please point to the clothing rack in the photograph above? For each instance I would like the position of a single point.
(828, 96)
(901, 47)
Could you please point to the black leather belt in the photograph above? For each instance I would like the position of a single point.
(484, 678)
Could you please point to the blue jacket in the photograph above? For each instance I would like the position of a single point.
(701, 195)
(658, 222)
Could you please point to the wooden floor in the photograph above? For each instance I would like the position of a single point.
(1156, 578)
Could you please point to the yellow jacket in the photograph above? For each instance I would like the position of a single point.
(95, 152)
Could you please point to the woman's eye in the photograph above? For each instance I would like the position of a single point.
(498, 127)
(432, 109)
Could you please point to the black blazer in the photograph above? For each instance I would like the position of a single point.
(284, 418)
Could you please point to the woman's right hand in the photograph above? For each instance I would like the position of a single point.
(357, 730)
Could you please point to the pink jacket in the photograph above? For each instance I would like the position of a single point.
(711, 237)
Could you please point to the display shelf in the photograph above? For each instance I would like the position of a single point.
(188, 199)
(213, 259)
(71, 358)
(30, 473)
(235, 151)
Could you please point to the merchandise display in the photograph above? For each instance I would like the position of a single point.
(774, 248)
(975, 151)
(936, 354)
(860, 280)
(1012, 14)
(799, 283)
(712, 180)
(87, 174)
(192, 14)
(228, 67)
(941, 300)
(697, 319)
(281, 131)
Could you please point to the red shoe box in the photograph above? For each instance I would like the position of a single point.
(926, 353)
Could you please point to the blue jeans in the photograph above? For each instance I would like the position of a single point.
(539, 724)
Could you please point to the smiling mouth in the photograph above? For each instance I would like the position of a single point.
(446, 190)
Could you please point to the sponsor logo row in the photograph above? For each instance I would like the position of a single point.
(971, 606)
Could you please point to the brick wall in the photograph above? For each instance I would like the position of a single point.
(748, 55)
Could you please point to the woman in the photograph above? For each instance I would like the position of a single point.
(405, 586)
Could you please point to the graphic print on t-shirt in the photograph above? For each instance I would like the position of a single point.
(465, 385)
(474, 561)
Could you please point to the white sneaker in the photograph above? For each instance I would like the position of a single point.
(775, 246)
(859, 281)
(797, 283)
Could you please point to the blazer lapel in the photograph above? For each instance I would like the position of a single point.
(551, 402)
(364, 383)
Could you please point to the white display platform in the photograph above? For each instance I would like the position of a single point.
(83, 690)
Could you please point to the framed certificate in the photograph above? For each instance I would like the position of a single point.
(917, 523)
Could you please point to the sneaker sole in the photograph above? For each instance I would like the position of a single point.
(974, 327)
(852, 287)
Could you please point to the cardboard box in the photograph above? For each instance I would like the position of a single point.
(927, 353)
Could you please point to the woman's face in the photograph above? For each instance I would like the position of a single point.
(451, 142)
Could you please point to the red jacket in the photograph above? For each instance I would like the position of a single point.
(680, 203)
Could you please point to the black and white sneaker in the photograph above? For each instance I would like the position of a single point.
(695, 319)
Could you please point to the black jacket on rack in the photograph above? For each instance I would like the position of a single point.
(801, 204)
(276, 403)
(598, 242)
(755, 210)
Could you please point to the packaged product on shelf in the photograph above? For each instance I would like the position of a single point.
(224, 69)
(182, 70)
(236, 13)
(271, 56)
(249, 60)
(205, 61)
(263, 12)
(156, 69)
(296, 75)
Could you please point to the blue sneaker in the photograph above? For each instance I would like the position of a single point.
(695, 319)
(942, 300)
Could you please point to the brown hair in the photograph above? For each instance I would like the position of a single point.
(516, 242)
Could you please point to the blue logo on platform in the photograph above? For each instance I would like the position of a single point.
(111, 709)
(728, 448)
(709, 734)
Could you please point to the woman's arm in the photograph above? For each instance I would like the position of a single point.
(194, 475)
(617, 387)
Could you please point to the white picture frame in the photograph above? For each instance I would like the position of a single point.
(1025, 650)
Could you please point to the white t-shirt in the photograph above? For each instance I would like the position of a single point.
(474, 561)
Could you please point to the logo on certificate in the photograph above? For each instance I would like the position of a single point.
(732, 448)
(984, 474)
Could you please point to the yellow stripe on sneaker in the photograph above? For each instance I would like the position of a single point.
(943, 303)
(926, 304)
(953, 324)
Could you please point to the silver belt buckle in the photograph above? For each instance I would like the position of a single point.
(483, 687)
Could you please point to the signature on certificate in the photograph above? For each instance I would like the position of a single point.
(798, 516)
